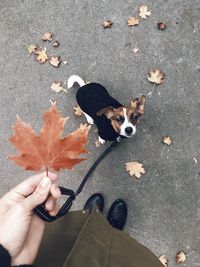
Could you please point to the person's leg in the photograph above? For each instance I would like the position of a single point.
(59, 238)
(96, 200)
(99, 244)
(117, 213)
(88, 240)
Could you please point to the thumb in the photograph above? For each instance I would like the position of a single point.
(39, 195)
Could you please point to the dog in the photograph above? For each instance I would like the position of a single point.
(113, 120)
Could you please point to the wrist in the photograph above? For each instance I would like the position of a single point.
(20, 264)
(5, 246)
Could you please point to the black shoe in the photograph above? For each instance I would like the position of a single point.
(117, 214)
(95, 200)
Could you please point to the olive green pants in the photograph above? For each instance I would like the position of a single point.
(87, 240)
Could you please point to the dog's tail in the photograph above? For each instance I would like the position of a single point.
(75, 79)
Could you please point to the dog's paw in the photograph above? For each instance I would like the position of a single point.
(90, 120)
(119, 139)
(102, 141)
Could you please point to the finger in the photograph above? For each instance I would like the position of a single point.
(55, 190)
(55, 210)
(39, 195)
(50, 203)
(28, 186)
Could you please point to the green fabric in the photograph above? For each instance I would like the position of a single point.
(83, 240)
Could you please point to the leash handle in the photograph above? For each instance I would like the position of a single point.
(43, 213)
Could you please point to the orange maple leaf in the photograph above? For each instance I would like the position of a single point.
(48, 150)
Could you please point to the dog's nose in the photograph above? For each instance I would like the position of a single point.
(129, 130)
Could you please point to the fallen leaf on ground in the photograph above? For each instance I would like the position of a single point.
(195, 160)
(41, 56)
(144, 12)
(161, 26)
(48, 36)
(53, 102)
(156, 76)
(133, 21)
(32, 48)
(78, 111)
(135, 50)
(107, 24)
(135, 169)
(149, 93)
(167, 140)
(164, 260)
(57, 87)
(48, 150)
(97, 143)
(56, 44)
(55, 61)
(84, 126)
(181, 257)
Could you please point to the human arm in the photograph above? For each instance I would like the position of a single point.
(21, 230)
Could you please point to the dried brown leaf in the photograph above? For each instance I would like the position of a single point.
(78, 111)
(181, 257)
(57, 87)
(161, 26)
(144, 12)
(164, 260)
(56, 44)
(97, 143)
(107, 24)
(195, 160)
(135, 169)
(133, 21)
(32, 48)
(55, 61)
(48, 36)
(48, 150)
(135, 50)
(84, 126)
(167, 140)
(53, 102)
(156, 76)
(41, 56)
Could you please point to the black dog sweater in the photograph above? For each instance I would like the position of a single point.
(92, 98)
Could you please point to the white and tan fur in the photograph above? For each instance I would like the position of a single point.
(127, 125)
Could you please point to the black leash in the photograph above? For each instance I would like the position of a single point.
(43, 213)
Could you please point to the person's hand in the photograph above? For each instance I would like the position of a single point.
(21, 230)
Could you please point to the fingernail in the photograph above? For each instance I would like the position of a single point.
(45, 182)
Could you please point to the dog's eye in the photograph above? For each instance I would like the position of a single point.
(120, 119)
(134, 117)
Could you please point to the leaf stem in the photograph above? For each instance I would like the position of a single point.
(190, 253)
(47, 171)
(152, 90)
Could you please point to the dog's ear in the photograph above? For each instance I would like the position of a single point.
(134, 102)
(141, 104)
(108, 111)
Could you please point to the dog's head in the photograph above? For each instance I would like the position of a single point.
(125, 119)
